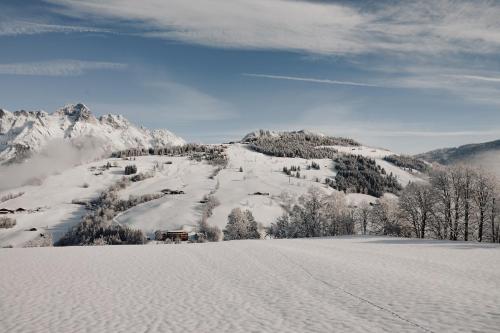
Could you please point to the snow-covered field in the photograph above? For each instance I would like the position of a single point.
(315, 285)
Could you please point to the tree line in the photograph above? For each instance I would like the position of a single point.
(407, 162)
(213, 154)
(458, 203)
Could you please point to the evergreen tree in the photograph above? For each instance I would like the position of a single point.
(241, 225)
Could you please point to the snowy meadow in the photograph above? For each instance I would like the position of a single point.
(351, 284)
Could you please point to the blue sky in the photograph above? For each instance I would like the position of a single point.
(410, 76)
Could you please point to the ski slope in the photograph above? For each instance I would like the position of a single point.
(52, 209)
(262, 173)
(315, 285)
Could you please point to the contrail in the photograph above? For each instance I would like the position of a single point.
(307, 79)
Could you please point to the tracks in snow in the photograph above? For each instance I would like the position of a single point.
(362, 299)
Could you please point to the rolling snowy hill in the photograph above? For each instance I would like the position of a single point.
(484, 155)
(23, 133)
(250, 180)
(462, 153)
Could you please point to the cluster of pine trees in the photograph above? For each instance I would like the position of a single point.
(293, 171)
(407, 162)
(359, 174)
(299, 144)
(214, 154)
(314, 166)
(130, 169)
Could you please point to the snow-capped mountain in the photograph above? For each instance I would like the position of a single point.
(26, 132)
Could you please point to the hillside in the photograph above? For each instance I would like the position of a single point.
(250, 180)
(356, 284)
(23, 133)
(485, 155)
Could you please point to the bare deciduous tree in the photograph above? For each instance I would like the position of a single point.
(467, 198)
(440, 181)
(456, 176)
(416, 205)
(385, 218)
(483, 197)
(362, 216)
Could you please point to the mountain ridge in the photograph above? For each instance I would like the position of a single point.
(23, 133)
(461, 153)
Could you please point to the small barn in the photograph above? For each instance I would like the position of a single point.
(173, 235)
(177, 235)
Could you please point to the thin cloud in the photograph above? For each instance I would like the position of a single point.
(307, 79)
(476, 78)
(173, 102)
(478, 85)
(436, 133)
(478, 88)
(58, 67)
(15, 28)
(186, 103)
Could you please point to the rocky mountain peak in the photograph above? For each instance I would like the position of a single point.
(30, 131)
(77, 111)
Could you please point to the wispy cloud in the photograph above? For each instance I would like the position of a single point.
(58, 67)
(397, 133)
(172, 102)
(186, 103)
(476, 78)
(476, 85)
(307, 79)
(417, 28)
(15, 28)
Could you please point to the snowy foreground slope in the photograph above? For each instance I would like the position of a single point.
(315, 285)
